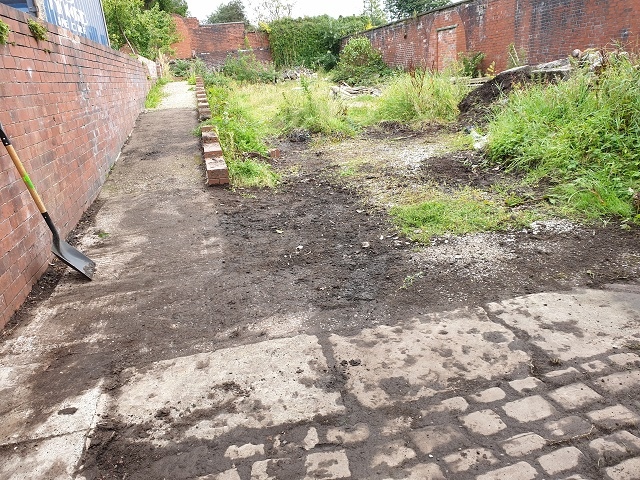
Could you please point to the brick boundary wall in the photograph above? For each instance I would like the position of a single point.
(543, 31)
(214, 43)
(69, 104)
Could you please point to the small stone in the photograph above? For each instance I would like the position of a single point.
(568, 427)
(327, 465)
(618, 445)
(245, 451)
(430, 439)
(451, 405)
(562, 373)
(627, 470)
(393, 455)
(594, 367)
(620, 382)
(358, 433)
(365, 244)
(311, 440)
(624, 359)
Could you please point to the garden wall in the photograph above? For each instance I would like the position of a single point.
(214, 43)
(539, 31)
(68, 105)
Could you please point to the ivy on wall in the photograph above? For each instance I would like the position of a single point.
(311, 41)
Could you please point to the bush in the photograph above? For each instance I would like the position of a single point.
(582, 135)
(312, 42)
(470, 64)
(421, 95)
(246, 68)
(360, 63)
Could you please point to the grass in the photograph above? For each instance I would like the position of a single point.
(582, 136)
(156, 93)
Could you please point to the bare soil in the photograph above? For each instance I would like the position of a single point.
(312, 256)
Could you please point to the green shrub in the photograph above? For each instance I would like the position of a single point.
(4, 32)
(470, 64)
(246, 68)
(581, 135)
(156, 93)
(360, 63)
(312, 108)
(421, 95)
(313, 42)
(38, 30)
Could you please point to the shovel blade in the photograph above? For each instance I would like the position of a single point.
(74, 258)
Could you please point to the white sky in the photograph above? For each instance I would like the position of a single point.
(203, 8)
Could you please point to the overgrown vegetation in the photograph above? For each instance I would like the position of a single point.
(312, 109)
(421, 95)
(156, 93)
(38, 30)
(4, 32)
(360, 64)
(313, 42)
(145, 32)
(470, 63)
(245, 67)
(581, 136)
(241, 137)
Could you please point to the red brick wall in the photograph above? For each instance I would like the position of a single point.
(543, 31)
(214, 43)
(68, 105)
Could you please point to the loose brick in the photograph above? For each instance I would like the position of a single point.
(518, 471)
(523, 444)
(624, 359)
(614, 417)
(209, 137)
(470, 458)
(574, 396)
(212, 150)
(484, 422)
(529, 409)
(561, 460)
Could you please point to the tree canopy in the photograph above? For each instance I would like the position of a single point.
(229, 12)
(405, 8)
(146, 32)
(170, 6)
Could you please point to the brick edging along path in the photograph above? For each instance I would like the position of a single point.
(216, 167)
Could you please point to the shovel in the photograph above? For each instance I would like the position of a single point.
(60, 248)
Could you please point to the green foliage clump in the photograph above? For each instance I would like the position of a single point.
(360, 63)
(179, 7)
(228, 12)
(470, 64)
(406, 8)
(245, 67)
(156, 93)
(581, 135)
(239, 134)
(312, 42)
(146, 32)
(421, 95)
(465, 212)
(38, 30)
(314, 110)
(4, 32)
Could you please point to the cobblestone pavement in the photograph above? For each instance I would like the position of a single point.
(541, 386)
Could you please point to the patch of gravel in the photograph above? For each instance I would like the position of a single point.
(178, 95)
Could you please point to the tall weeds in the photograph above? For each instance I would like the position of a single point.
(581, 135)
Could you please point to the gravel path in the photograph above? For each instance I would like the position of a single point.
(178, 95)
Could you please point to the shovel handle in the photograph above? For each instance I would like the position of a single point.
(23, 173)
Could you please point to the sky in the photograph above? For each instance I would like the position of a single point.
(203, 8)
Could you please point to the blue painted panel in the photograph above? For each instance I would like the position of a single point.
(82, 17)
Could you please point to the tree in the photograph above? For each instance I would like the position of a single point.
(373, 10)
(268, 11)
(146, 32)
(170, 6)
(229, 12)
(406, 8)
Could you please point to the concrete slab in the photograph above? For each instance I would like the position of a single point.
(421, 359)
(254, 386)
(579, 324)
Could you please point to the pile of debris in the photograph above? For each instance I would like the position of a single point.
(345, 91)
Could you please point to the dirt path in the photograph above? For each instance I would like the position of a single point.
(292, 334)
